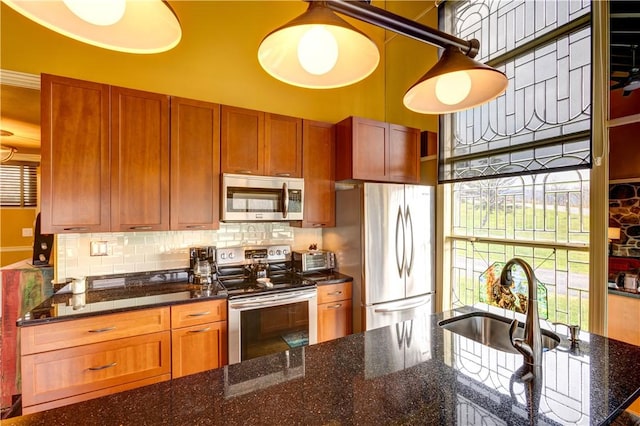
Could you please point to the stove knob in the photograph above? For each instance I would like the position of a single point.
(278, 252)
(270, 252)
(285, 252)
(223, 256)
(231, 256)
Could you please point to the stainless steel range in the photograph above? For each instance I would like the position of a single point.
(271, 309)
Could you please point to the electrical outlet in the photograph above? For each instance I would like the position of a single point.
(27, 232)
(98, 248)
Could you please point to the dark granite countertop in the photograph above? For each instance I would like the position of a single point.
(410, 373)
(118, 293)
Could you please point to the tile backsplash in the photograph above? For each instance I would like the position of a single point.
(151, 251)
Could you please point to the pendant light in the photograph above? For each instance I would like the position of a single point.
(318, 50)
(139, 26)
(455, 83)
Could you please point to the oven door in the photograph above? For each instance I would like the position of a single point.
(271, 323)
(261, 198)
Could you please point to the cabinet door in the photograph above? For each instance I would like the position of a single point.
(623, 318)
(334, 320)
(195, 164)
(404, 154)
(283, 145)
(139, 160)
(363, 149)
(319, 174)
(198, 348)
(242, 141)
(75, 156)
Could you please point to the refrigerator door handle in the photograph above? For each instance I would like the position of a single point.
(410, 256)
(401, 308)
(400, 261)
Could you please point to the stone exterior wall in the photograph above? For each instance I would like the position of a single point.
(624, 213)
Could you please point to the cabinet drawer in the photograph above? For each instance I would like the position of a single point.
(333, 292)
(198, 313)
(97, 329)
(67, 372)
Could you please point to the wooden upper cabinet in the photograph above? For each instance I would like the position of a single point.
(242, 141)
(319, 174)
(75, 156)
(139, 160)
(404, 154)
(195, 164)
(371, 150)
(283, 145)
(259, 143)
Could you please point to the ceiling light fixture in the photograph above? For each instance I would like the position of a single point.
(318, 50)
(7, 153)
(140, 26)
(457, 82)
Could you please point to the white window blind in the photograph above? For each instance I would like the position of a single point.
(18, 185)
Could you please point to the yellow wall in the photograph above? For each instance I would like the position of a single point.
(12, 220)
(216, 61)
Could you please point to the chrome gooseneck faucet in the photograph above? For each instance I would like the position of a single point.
(531, 345)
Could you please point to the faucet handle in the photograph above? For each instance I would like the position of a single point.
(574, 331)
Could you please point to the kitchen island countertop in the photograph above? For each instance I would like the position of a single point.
(410, 373)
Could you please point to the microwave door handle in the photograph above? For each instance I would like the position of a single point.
(285, 198)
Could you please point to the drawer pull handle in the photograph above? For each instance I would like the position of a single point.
(202, 330)
(102, 330)
(246, 172)
(141, 228)
(195, 226)
(335, 293)
(283, 174)
(76, 228)
(102, 367)
(200, 314)
(335, 306)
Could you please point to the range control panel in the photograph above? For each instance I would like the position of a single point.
(248, 255)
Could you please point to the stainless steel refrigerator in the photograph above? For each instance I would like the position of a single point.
(384, 239)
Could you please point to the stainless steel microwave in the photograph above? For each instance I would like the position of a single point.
(248, 198)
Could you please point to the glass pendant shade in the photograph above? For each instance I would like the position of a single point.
(145, 26)
(318, 50)
(455, 83)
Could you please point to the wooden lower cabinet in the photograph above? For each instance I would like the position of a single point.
(200, 341)
(72, 361)
(623, 318)
(72, 372)
(334, 311)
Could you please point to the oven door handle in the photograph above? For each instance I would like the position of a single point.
(275, 301)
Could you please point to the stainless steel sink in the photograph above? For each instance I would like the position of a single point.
(493, 331)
